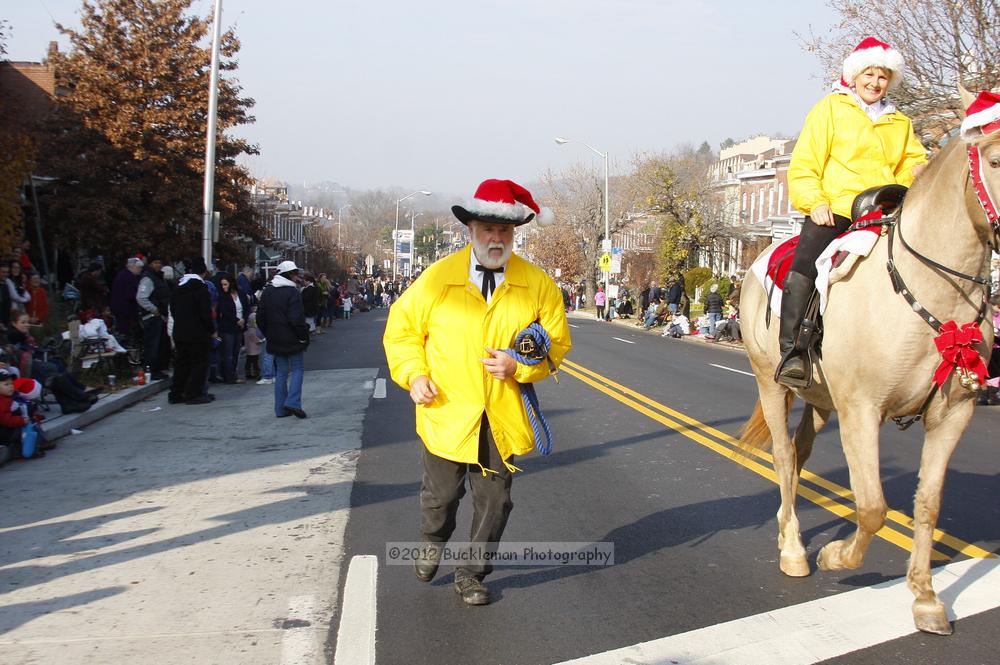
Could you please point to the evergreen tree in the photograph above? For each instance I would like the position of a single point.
(128, 139)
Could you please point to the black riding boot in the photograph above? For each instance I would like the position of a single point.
(795, 296)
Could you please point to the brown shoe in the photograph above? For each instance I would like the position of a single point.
(472, 590)
(425, 566)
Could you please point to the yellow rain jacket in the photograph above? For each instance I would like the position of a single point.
(440, 327)
(841, 153)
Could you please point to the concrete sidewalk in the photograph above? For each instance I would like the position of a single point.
(184, 534)
(57, 425)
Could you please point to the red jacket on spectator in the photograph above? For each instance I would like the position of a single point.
(38, 307)
(8, 418)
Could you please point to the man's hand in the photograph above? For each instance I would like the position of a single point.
(499, 364)
(822, 215)
(423, 390)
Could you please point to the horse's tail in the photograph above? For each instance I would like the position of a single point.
(755, 434)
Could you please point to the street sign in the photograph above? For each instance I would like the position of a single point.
(605, 262)
(606, 245)
(616, 261)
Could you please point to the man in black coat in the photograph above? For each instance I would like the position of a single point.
(191, 308)
(310, 301)
(282, 319)
(674, 294)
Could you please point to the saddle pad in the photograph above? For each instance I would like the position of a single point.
(833, 263)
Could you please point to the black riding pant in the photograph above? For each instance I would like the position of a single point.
(813, 241)
(444, 485)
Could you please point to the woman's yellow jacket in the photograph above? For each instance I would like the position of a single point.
(841, 153)
(441, 326)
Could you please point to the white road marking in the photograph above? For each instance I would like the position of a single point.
(623, 340)
(730, 369)
(820, 629)
(379, 389)
(356, 634)
(299, 645)
(573, 325)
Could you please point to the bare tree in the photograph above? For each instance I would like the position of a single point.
(944, 42)
(577, 198)
(690, 214)
(556, 247)
(370, 223)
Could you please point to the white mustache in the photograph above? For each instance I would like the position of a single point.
(496, 245)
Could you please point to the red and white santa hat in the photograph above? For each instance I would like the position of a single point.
(29, 388)
(503, 202)
(872, 52)
(982, 117)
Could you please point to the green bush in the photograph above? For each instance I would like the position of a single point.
(695, 277)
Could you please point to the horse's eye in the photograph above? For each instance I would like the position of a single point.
(995, 163)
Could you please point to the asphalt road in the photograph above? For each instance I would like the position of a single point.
(694, 532)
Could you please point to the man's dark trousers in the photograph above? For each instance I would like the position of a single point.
(443, 487)
(190, 369)
(152, 337)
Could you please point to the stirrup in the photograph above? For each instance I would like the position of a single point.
(806, 358)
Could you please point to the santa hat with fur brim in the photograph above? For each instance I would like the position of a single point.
(982, 117)
(872, 52)
(502, 202)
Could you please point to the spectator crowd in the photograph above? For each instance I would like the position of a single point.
(151, 317)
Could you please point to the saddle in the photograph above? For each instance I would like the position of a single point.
(870, 208)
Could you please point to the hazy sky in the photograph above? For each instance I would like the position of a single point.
(442, 94)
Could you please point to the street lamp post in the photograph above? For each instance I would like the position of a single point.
(340, 214)
(413, 240)
(396, 228)
(213, 102)
(607, 227)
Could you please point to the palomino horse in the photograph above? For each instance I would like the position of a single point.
(878, 361)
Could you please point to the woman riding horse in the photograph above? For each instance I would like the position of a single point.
(852, 140)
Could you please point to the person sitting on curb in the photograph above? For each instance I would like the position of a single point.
(679, 327)
(14, 416)
(657, 316)
(52, 373)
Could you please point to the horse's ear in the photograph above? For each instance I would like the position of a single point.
(966, 96)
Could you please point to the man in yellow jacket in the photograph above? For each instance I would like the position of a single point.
(444, 342)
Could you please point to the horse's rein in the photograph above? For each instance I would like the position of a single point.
(894, 224)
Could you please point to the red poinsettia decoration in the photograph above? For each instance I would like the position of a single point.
(956, 346)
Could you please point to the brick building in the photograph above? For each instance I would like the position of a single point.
(27, 89)
(751, 179)
(293, 229)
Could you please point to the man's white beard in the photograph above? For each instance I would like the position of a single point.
(483, 254)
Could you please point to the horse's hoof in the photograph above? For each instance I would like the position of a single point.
(794, 566)
(830, 558)
(931, 618)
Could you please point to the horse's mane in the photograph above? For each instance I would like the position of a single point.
(935, 165)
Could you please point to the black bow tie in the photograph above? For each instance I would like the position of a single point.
(489, 279)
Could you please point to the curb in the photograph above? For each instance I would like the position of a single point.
(691, 339)
(60, 426)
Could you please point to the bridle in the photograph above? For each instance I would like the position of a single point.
(893, 223)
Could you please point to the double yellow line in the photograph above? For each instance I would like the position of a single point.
(824, 493)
